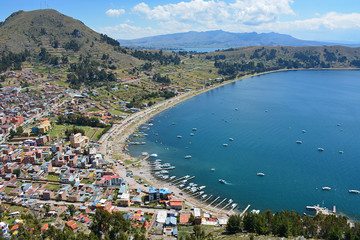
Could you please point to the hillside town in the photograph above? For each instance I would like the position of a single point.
(66, 178)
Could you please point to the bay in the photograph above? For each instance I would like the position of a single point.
(265, 115)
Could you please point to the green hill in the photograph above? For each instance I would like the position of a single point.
(235, 61)
(57, 33)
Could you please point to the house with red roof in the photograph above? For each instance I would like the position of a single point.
(175, 204)
(184, 218)
(45, 227)
(72, 225)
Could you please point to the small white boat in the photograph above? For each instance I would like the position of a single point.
(225, 145)
(299, 142)
(194, 129)
(326, 188)
(201, 187)
(144, 154)
(320, 149)
(354, 191)
(154, 155)
(174, 123)
(204, 196)
(181, 185)
(178, 136)
(231, 139)
(192, 134)
(304, 131)
(188, 156)
(172, 177)
(341, 152)
(213, 169)
(222, 181)
(260, 174)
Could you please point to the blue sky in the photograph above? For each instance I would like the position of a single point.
(324, 20)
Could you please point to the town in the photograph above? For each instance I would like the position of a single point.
(61, 173)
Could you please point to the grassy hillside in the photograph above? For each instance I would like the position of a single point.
(59, 34)
(246, 60)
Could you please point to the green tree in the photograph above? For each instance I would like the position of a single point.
(12, 133)
(234, 224)
(47, 209)
(19, 130)
(17, 172)
(71, 208)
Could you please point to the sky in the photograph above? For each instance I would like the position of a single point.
(321, 20)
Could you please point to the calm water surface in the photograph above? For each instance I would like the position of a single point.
(265, 115)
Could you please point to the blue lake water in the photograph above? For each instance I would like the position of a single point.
(272, 110)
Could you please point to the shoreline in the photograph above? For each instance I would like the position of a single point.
(115, 142)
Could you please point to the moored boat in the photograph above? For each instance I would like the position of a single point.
(326, 188)
(354, 191)
(260, 174)
(188, 156)
(299, 142)
(320, 149)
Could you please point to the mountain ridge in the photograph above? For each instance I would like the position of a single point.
(219, 39)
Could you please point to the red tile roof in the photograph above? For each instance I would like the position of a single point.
(71, 224)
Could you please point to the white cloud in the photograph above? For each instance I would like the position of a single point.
(329, 21)
(211, 11)
(260, 11)
(115, 12)
(126, 31)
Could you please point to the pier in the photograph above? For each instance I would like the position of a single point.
(208, 198)
(230, 202)
(185, 177)
(245, 210)
(219, 203)
(232, 208)
(213, 201)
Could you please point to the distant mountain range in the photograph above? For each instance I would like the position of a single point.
(219, 39)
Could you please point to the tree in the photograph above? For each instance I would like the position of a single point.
(198, 232)
(17, 172)
(19, 130)
(47, 209)
(12, 133)
(191, 219)
(71, 208)
(234, 224)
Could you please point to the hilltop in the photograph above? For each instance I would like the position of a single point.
(57, 33)
(218, 39)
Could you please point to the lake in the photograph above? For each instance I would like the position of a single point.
(265, 116)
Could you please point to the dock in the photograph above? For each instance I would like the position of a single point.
(185, 180)
(213, 201)
(178, 179)
(220, 203)
(245, 210)
(322, 210)
(207, 199)
(232, 208)
(230, 202)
